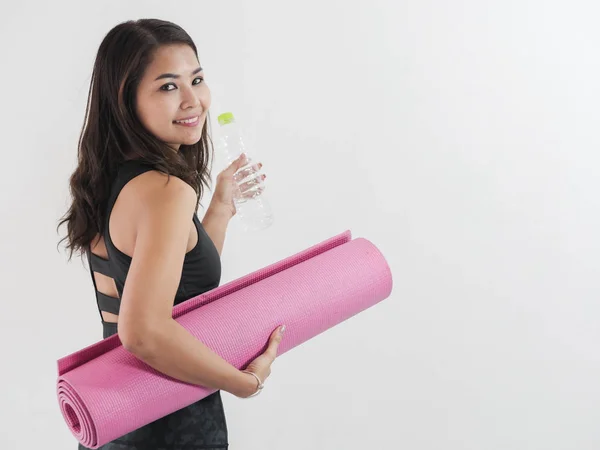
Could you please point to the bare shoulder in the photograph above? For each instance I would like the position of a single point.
(143, 198)
(152, 188)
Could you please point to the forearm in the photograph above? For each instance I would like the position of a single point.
(215, 223)
(174, 351)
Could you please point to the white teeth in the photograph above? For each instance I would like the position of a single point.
(188, 120)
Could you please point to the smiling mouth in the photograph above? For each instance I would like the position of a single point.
(188, 121)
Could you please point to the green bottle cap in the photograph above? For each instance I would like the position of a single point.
(225, 118)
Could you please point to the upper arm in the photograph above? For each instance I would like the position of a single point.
(162, 231)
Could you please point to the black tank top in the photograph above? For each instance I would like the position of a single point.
(201, 425)
(201, 270)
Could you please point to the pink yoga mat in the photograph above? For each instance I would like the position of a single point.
(105, 392)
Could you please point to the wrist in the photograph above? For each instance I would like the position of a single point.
(246, 385)
(219, 210)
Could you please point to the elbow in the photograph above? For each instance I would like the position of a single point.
(137, 340)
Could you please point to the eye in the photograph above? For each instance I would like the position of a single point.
(162, 88)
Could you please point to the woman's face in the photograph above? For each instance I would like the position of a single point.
(171, 89)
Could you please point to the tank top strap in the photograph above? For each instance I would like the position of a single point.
(125, 173)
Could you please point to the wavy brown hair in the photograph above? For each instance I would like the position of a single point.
(112, 132)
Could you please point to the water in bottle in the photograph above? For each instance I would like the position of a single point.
(251, 206)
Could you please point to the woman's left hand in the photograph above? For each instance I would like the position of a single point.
(227, 180)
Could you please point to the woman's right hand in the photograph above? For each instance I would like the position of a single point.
(261, 366)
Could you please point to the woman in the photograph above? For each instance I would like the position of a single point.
(138, 182)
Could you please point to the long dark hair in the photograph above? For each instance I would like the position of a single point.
(112, 133)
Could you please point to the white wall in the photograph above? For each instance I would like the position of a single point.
(459, 137)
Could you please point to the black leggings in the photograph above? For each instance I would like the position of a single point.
(201, 425)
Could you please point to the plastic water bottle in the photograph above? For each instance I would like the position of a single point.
(251, 206)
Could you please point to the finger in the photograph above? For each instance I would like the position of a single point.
(240, 161)
(235, 166)
(274, 341)
(247, 171)
(253, 193)
(252, 183)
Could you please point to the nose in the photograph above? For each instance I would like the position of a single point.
(190, 99)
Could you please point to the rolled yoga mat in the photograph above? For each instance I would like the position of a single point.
(105, 392)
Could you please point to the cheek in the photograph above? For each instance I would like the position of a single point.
(160, 115)
(205, 97)
(157, 122)
(146, 114)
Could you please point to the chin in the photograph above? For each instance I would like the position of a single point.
(192, 141)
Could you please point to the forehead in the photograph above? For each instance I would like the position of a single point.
(179, 59)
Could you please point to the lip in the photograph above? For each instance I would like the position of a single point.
(189, 117)
(193, 124)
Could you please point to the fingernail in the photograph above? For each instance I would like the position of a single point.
(282, 330)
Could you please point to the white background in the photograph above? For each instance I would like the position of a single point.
(461, 138)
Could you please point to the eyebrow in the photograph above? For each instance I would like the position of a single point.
(173, 75)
